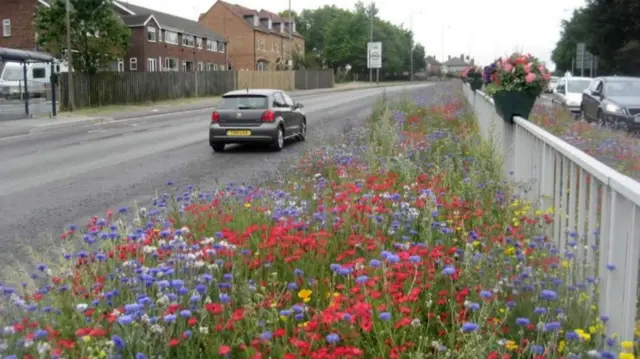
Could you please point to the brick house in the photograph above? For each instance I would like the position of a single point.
(433, 66)
(163, 42)
(258, 40)
(457, 64)
(159, 41)
(17, 30)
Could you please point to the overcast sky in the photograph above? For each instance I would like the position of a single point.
(485, 29)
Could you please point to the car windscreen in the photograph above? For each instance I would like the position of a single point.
(244, 102)
(623, 88)
(577, 86)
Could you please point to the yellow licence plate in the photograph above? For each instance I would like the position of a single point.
(239, 133)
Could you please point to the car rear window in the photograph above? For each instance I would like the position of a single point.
(256, 102)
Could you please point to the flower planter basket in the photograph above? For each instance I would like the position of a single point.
(476, 84)
(513, 103)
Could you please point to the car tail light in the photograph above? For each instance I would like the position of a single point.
(268, 116)
(215, 117)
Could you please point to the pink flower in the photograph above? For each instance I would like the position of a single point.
(527, 67)
(507, 67)
(546, 76)
(530, 77)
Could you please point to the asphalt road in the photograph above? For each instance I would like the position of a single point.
(65, 175)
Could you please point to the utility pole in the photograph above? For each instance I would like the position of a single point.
(69, 57)
(293, 81)
(411, 47)
(371, 38)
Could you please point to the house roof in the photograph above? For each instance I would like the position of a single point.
(242, 11)
(432, 60)
(166, 21)
(456, 61)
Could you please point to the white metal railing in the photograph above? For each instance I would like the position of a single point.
(596, 209)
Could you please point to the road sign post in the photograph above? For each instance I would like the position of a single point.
(584, 59)
(374, 57)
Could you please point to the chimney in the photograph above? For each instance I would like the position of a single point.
(449, 58)
(462, 57)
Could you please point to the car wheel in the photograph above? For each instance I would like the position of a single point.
(303, 130)
(278, 144)
(218, 147)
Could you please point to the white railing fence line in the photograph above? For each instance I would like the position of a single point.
(596, 209)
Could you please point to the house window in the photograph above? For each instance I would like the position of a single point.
(199, 42)
(6, 27)
(261, 45)
(151, 34)
(276, 47)
(270, 24)
(171, 37)
(210, 67)
(256, 20)
(38, 73)
(152, 65)
(212, 45)
(221, 47)
(120, 65)
(170, 64)
(133, 64)
(187, 40)
(260, 66)
(200, 66)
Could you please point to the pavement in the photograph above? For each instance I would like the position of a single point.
(61, 175)
(20, 127)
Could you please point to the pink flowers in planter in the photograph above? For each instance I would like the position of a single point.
(520, 73)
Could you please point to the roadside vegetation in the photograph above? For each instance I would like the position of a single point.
(401, 241)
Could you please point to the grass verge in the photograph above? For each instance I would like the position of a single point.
(402, 242)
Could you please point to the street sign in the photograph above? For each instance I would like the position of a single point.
(584, 59)
(374, 55)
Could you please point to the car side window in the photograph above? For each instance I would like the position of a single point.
(600, 86)
(287, 100)
(594, 85)
(279, 101)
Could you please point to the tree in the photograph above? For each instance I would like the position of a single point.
(573, 32)
(98, 36)
(419, 55)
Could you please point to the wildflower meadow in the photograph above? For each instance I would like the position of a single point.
(616, 148)
(403, 240)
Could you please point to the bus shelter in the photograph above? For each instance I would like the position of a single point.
(25, 58)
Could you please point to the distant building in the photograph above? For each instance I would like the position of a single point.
(258, 40)
(456, 64)
(433, 66)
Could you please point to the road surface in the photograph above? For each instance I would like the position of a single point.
(65, 175)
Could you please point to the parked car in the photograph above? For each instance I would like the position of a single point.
(553, 82)
(568, 92)
(12, 78)
(256, 116)
(613, 101)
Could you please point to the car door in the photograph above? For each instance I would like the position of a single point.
(281, 109)
(589, 103)
(293, 126)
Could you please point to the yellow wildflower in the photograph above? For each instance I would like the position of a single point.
(626, 356)
(627, 344)
(247, 205)
(305, 295)
(511, 345)
(561, 346)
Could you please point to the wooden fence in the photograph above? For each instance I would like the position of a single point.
(314, 79)
(122, 88)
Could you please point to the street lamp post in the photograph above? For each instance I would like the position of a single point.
(411, 43)
(291, 47)
(69, 56)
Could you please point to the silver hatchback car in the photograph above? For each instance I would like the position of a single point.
(256, 116)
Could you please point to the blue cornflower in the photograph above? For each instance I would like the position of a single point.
(449, 270)
(118, 342)
(385, 316)
(548, 295)
(469, 327)
(522, 321)
(125, 319)
(333, 338)
(266, 336)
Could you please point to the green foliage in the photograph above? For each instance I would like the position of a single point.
(97, 34)
(337, 37)
(611, 32)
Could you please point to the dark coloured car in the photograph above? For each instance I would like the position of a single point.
(256, 116)
(613, 101)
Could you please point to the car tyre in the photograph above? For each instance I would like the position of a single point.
(303, 130)
(278, 144)
(218, 147)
